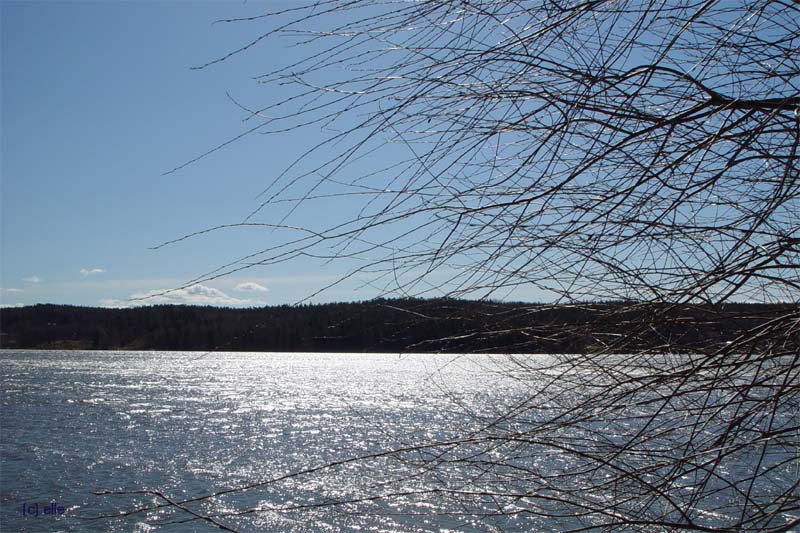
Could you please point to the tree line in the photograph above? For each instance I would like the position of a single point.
(383, 325)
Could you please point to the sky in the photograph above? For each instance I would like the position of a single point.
(99, 101)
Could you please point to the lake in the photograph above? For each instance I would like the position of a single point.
(99, 441)
(190, 424)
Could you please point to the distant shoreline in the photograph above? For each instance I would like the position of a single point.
(384, 326)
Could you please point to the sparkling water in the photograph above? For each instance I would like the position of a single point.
(192, 424)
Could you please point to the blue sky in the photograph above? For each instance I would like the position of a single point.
(98, 101)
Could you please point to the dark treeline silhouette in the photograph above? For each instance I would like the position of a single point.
(401, 325)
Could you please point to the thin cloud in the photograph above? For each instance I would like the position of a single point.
(250, 286)
(6, 306)
(194, 295)
(114, 304)
(10, 289)
(89, 272)
(33, 279)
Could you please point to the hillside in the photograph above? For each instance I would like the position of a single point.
(381, 326)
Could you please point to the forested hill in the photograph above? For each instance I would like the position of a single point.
(381, 326)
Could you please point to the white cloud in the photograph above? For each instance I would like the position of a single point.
(33, 279)
(110, 302)
(250, 286)
(89, 272)
(5, 306)
(11, 290)
(194, 295)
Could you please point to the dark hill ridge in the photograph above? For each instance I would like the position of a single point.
(409, 325)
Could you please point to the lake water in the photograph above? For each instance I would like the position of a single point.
(190, 424)
(88, 437)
